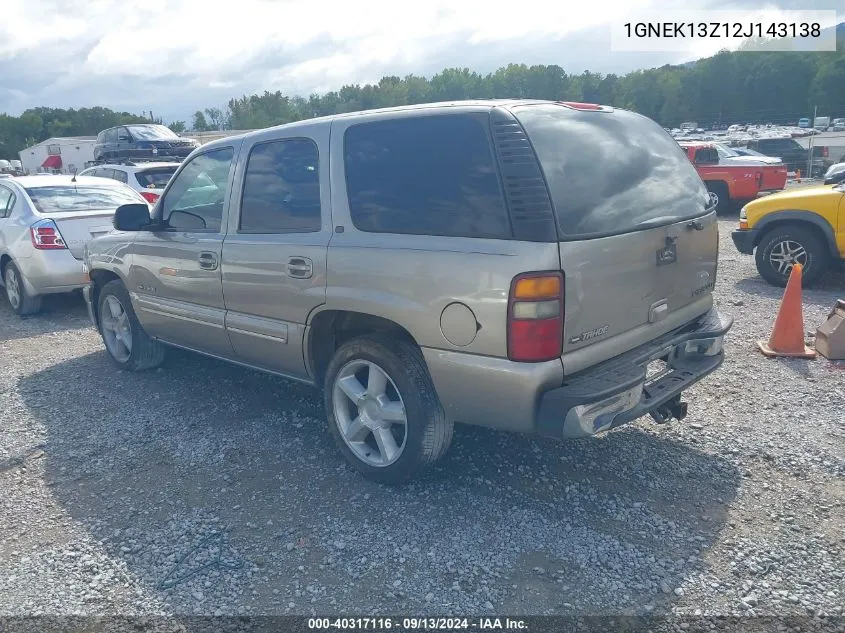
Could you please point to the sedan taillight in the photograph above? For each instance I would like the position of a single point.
(45, 236)
(150, 197)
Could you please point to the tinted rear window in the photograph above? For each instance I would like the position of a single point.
(611, 172)
(62, 198)
(155, 178)
(429, 175)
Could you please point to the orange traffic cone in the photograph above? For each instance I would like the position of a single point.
(787, 337)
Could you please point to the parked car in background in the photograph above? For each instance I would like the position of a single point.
(141, 141)
(838, 125)
(148, 179)
(804, 123)
(732, 179)
(793, 154)
(797, 226)
(835, 175)
(413, 261)
(45, 222)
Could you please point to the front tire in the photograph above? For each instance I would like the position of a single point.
(784, 246)
(127, 345)
(383, 411)
(23, 303)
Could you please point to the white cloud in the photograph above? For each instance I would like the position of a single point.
(120, 53)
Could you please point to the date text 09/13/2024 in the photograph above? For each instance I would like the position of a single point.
(416, 624)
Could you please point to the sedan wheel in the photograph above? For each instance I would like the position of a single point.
(370, 413)
(22, 302)
(117, 330)
(13, 290)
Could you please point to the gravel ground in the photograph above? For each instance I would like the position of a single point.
(204, 488)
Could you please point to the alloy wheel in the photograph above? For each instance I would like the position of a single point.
(13, 289)
(117, 331)
(784, 255)
(370, 413)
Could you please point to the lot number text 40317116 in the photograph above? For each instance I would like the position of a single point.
(416, 624)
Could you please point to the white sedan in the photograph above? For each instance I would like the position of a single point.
(45, 222)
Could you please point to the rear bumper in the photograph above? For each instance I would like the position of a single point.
(49, 272)
(617, 391)
(744, 240)
(537, 398)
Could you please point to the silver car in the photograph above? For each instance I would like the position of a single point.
(528, 266)
(45, 222)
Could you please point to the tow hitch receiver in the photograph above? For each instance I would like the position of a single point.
(672, 409)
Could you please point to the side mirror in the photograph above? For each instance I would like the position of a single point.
(131, 217)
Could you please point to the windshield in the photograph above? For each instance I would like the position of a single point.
(151, 132)
(725, 152)
(62, 198)
(155, 178)
(611, 173)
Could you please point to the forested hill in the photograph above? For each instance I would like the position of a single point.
(746, 87)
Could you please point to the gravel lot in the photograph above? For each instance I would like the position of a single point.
(204, 488)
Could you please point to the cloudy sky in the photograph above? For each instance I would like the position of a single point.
(176, 56)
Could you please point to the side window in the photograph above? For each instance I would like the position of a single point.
(194, 201)
(111, 136)
(123, 135)
(282, 188)
(120, 175)
(7, 201)
(105, 173)
(432, 175)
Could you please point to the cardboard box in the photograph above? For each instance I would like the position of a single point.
(830, 337)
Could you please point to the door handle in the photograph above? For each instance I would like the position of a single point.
(300, 267)
(208, 260)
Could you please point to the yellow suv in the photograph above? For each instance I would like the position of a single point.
(805, 226)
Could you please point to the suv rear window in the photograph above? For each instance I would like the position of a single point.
(428, 175)
(155, 178)
(611, 172)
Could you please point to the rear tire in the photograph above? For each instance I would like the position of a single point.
(127, 345)
(23, 303)
(784, 243)
(363, 414)
(719, 190)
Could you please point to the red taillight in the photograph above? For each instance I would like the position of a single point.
(150, 197)
(535, 317)
(45, 236)
(825, 151)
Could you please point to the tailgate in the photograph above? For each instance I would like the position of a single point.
(774, 178)
(636, 286)
(79, 228)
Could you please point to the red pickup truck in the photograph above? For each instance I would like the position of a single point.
(734, 182)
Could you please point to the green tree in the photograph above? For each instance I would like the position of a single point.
(199, 124)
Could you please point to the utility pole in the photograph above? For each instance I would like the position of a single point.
(812, 138)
